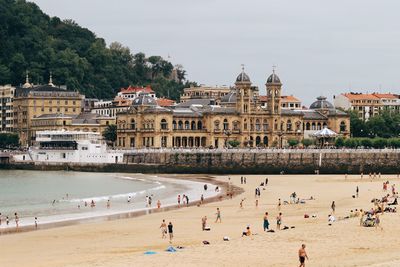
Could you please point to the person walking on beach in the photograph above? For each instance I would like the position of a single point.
(179, 201)
(7, 220)
(0, 218)
(163, 228)
(36, 222)
(204, 223)
(357, 190)
(16, 220)
(158, 204)
(256, 203)
(279, 204)
(218, 216)
(108, 204)
(279, 221)
(266, 222)
(266, 181)
(244, 180)
(333, 207)
(241, 179)
(241, 203)
(170, 231)
(302, 255)
(201, 199)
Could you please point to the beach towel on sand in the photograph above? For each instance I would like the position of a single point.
(170, 249)
(205, 242)
(150, 253)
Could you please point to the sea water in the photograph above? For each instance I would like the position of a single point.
(62, 195)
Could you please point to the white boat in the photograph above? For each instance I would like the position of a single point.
(70, 147)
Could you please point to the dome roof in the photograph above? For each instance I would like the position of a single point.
(321, 103)
(229, 98)
(273, 78)
(243, 77)
(144, 100)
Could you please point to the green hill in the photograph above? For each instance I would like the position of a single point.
(31, 40)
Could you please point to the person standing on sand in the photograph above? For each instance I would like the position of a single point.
(7, 220)
(179, 201)
(279, 221)
(266, 222)
(16, 220)
(357, 190)
(302, 255)
(266, 181)
(170, 231)
(204, 223)
(163, 228)
(244, 180)
(279, 204)
(256, 203)
(378, 222)
(0, 218)
(333, 207)
(158, 204)
(218, 216)
(108, 204)
(36, 222)
(201, 199)
(241, 180)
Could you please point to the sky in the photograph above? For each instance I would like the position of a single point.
(318, 47)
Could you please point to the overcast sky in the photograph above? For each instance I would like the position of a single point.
(319, 47)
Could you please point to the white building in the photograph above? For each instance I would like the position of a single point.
(6, 108)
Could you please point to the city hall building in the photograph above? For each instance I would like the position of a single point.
(237, 115)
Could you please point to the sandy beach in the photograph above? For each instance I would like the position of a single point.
(123, 242)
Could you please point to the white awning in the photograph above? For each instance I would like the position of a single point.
(324, 133)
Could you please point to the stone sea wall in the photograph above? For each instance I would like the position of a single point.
(240, 162)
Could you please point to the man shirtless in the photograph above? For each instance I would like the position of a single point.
(302, 255)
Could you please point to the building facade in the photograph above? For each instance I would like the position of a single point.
(239, 116)
(34, 101)
(6, 108)
(368, 105)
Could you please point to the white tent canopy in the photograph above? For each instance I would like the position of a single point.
(325, 133)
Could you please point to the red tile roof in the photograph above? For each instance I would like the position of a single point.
(165, 102)
(132, 89)
(392, 96)
(353, 96)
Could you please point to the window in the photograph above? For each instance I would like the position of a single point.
(163, 141)
(133, 124)
(187, 127)
(164, 124)
(226, 124)
(342, 126)
(289, 125)
(216, 125)
(258, 125)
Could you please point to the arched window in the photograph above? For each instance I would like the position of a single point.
(226, 124)
(174, 125)
(342, 126)
(193, 125)
(187, 127)
(236, 125)
(308, 126)
(298, 126)
(258, 125)
(319, 126)
(133, 124)
(313, 127)
(265, 125)
(199, 125)
(164, 124)
(180, 125)
(289, 125)
(258, 140)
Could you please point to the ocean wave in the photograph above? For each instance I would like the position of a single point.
(114, 197)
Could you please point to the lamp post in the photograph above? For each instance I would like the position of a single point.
(227, 133)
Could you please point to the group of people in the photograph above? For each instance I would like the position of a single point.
(184, 199)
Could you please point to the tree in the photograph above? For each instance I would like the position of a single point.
(307, 142)
(293, 142)
(339, 142)
(9, 140)
(110, 133)
(379, 142)
(366, 142)
(233, 143)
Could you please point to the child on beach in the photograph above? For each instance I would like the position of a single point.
(266, 222)
(279, 221)
(204, 223)
(218, 216)
(247, 232)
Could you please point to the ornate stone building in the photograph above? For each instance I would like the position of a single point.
(33, 101)
(239, 116)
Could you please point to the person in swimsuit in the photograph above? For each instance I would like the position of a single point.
(266, 222)
(218, 215)
(302, 255)
(333, 207)
(16, 220)
(163, 228)
(279, 221)
(170, 231)
(279, 204)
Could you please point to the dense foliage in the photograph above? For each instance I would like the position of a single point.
(110, 133)
(31, 40)
(385, 125)
(9, 140)
(365, 142)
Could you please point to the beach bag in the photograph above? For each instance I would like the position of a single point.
(170, 249)
(226, 238)
(205, 242)
(306, 216)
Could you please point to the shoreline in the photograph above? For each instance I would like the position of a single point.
(225, 188)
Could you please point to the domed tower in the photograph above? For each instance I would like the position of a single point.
(274, 87)
(243, 92)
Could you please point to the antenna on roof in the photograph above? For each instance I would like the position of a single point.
(242, 67)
